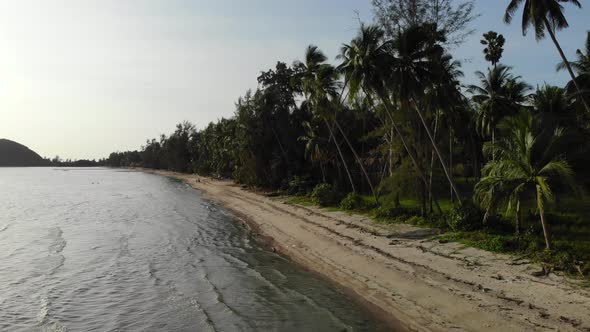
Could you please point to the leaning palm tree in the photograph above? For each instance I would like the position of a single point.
(446, 101)
(319, 85)
(315, 146)
(416, 57)
(530, 162)
(363, 61)
(546, 15)
(582, 67)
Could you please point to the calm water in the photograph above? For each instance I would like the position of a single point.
(107, 250)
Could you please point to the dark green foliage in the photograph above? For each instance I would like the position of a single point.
(395, 213)
(391, 120)
(465, 217)
(494, 46)
(351, 202)
(324, 195)
(298, 186)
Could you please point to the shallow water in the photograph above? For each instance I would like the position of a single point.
(108, 250)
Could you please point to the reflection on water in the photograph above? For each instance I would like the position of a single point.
(108, 250)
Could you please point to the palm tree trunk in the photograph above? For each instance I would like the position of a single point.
(430, 194)
(283, 152)
(405, 144)
(444, 166)
(567, 64)
(357, 159)
(451, 158)
(493, 144)
(546, 230)
(391, 152)
(341, 155)
(517, 221)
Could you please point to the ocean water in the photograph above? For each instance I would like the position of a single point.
(112, 250)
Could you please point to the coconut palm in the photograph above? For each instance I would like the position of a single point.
(363, 61)
(319, 85)
(582, 67)
(553, 107)
(498, 95)
(315, 146)
(546, 15)
(445, 101)
(530, 162)
(326, 86)
(415, 64)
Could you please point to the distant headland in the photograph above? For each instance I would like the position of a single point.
(13, 154)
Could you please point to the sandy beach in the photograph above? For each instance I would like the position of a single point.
(400, 272)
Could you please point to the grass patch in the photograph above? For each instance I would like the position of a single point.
(571, 231)
(299, 200)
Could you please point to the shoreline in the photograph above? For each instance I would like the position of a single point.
(400, 274)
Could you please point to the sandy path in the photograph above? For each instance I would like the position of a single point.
(418, 283)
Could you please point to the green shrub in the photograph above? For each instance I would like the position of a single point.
(466, 217)
(351, 202)
(298, 186)
(494, 243)
(397, 214)
(324, 195)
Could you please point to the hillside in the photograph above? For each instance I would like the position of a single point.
(15, 154)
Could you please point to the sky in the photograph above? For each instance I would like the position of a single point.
(84, 78)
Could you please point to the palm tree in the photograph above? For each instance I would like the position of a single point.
(363, 61)
(315, 146)
(546, 15)
(494, 46)
(582, 67)
(498, 95)
(530, 162)
(553, 107)
(319, 86)
(445, 100)
(416, 58)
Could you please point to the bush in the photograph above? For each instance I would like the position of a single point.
(466, 217)
(388, 212)
(351, 202)
(324, 195)
(297, 186)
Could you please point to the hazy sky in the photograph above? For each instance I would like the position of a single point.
(82, 78)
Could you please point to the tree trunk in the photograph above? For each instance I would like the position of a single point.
(391, 152)
(517, 220)
(546, 230)
(357, 159)
(404, 143)
(567, 64)
(341, 155)
(451, 158)
(430, 194)
(283, 152)
(493, 144)
(385, 102)
(444, 166)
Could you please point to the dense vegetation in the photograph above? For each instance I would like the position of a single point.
(390, 129)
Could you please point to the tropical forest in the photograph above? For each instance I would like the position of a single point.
(388, 128)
